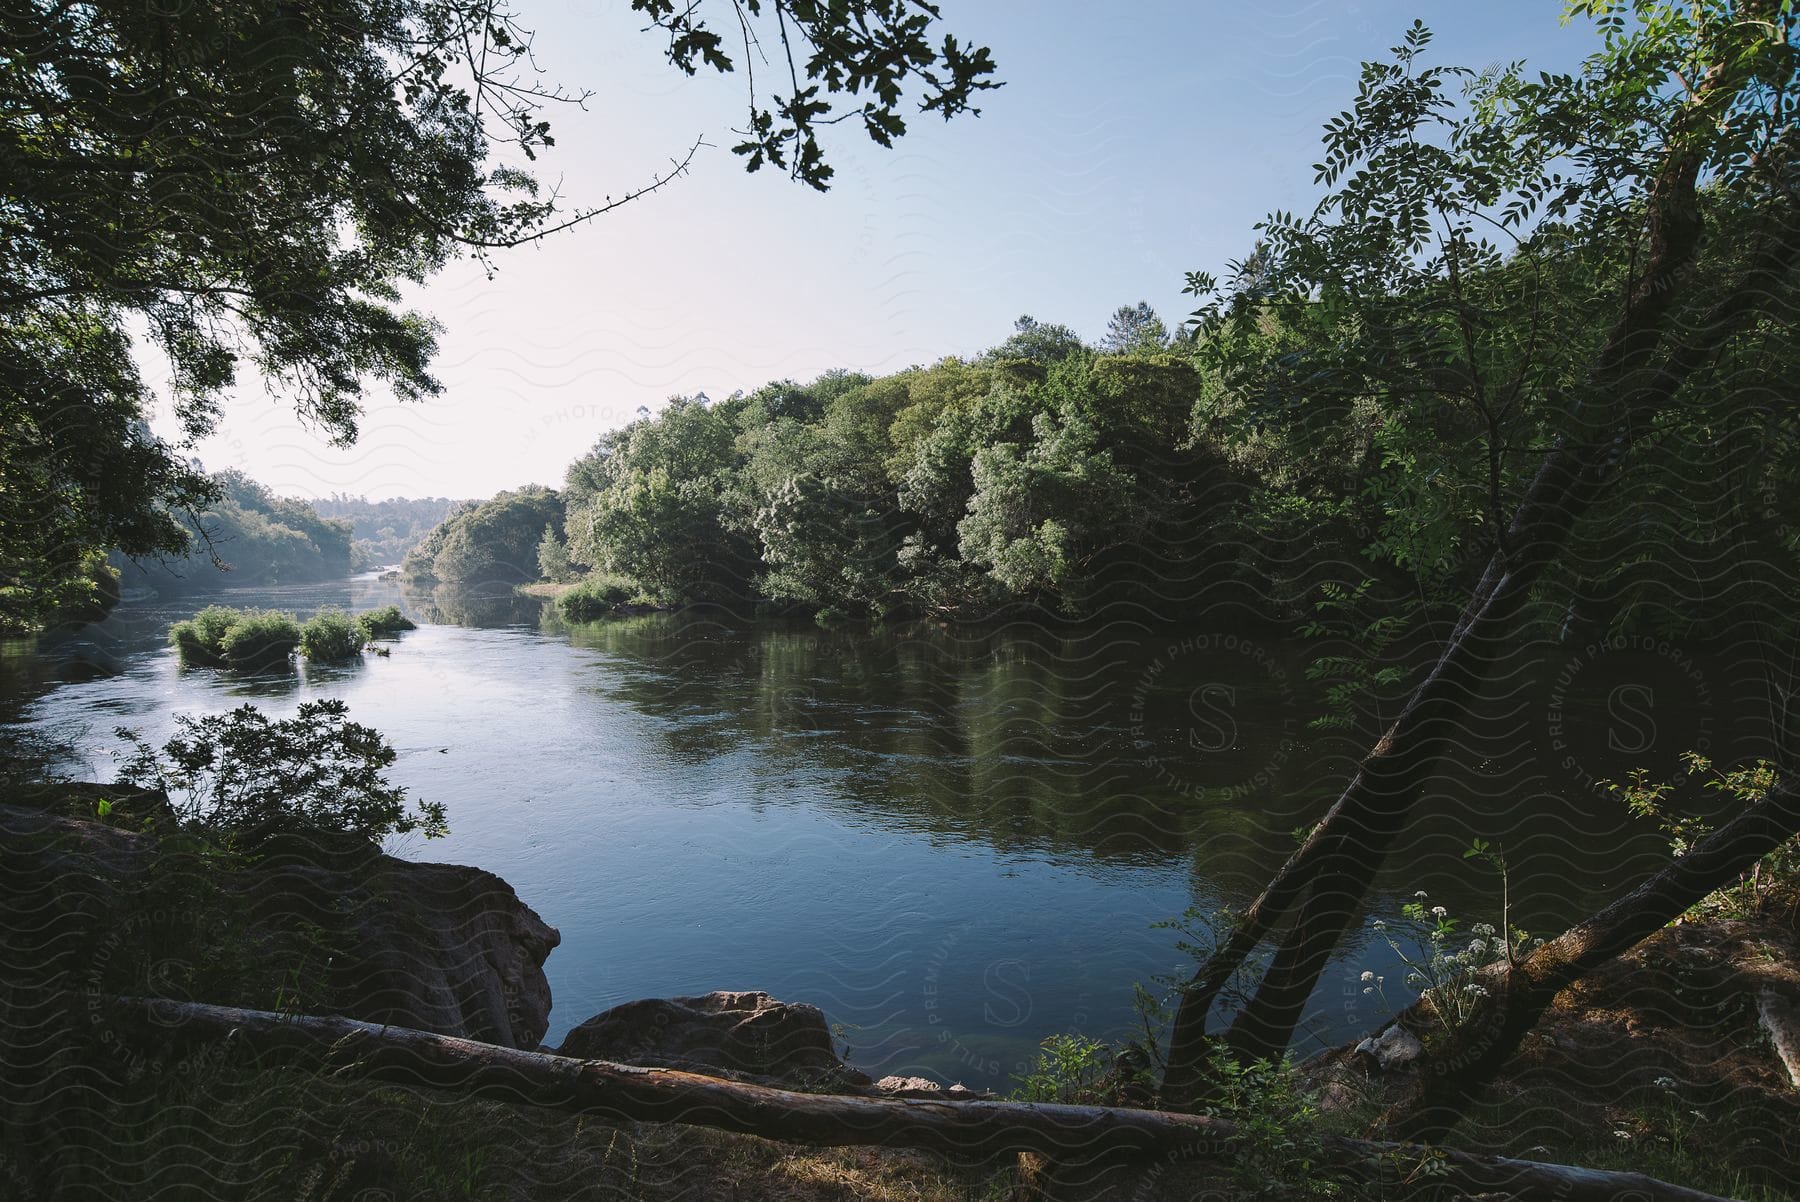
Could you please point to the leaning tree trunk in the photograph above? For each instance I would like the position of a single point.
(1637, 373)
(349, 1049)
(1518, 996)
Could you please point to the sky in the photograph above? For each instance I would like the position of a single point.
(1130, 144)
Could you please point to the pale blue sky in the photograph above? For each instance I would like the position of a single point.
(1131, 143)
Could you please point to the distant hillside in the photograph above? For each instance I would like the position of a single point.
(257, 537)
(384, 531)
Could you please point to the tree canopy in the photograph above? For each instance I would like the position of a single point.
(1554, 317)
(495, 542)
(249, 183)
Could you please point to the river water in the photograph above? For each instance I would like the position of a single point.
(954, 842)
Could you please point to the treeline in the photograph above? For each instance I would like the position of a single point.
(382, 532)
(248, 536)
(1044, 473)
(493, 542)
(1261, 460)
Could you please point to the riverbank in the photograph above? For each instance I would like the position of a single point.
(109, 898)
(1663, 1062)
(1676, 1059)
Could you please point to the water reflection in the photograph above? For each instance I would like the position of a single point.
(1021, 737)
(955, 840)
(448, 605)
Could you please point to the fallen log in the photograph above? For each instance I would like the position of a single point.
(348, 1048)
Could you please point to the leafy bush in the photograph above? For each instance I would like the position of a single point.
(201, 639)
(1676, 808)
(1070, 1069)
(314, 773)
(247, 640)
(495, 542)
(331, 635)
(1279, 1152)
(260, 641)
(600, 593)
(384, 623)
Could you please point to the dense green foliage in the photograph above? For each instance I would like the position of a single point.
(1043, 472)
(242, 639)
(384, 623)
(493, 542)
(554, 564)
(1400, 360)
(248, 536)
(331, 635)
(258, 181)
(597, 594)
(382, 532)
(315, 773)
(257, 641)
(1352, 417)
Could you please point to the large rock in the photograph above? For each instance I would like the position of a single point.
(1780, 1021)
(743, 1034)
(1394, 1048)
(439, 947)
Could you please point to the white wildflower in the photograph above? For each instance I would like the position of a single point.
(1367, 976)
(1439, 912)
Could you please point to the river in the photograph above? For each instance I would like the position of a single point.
(954, 842)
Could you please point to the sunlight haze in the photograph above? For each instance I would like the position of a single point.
(1126, 148)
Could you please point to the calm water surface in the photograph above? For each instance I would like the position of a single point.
(954, 843)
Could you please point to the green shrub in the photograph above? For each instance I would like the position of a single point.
(316, 772)
(1677, 808)
(1276, 1111)
(384, 623)
(331, 635)
(600, 593)
(247, 640)
(259, 641)
(201, 639)
(1071, 1069)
